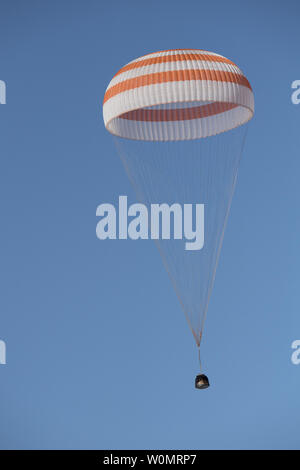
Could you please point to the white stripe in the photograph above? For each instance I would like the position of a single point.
(175, 52)
(176, 92)
(172, 66)
(180, 130)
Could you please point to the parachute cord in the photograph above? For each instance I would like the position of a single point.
(199, 357)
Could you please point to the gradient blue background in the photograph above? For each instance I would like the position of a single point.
(98, 351)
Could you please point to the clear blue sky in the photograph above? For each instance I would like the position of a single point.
(98, 351)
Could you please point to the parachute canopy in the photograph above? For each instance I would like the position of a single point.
(177, 95)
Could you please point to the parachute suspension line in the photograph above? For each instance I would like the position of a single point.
(120, 151)
(224, 227)
(202, 171)
(144, 199)
(199, 358)
(176, 290)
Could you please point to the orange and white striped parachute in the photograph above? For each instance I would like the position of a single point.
(177, 117)
(177, 95)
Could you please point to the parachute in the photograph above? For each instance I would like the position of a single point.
(178, 120)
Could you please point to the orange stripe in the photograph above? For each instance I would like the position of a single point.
(180, 114)
(173, 58)
(175, 76)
